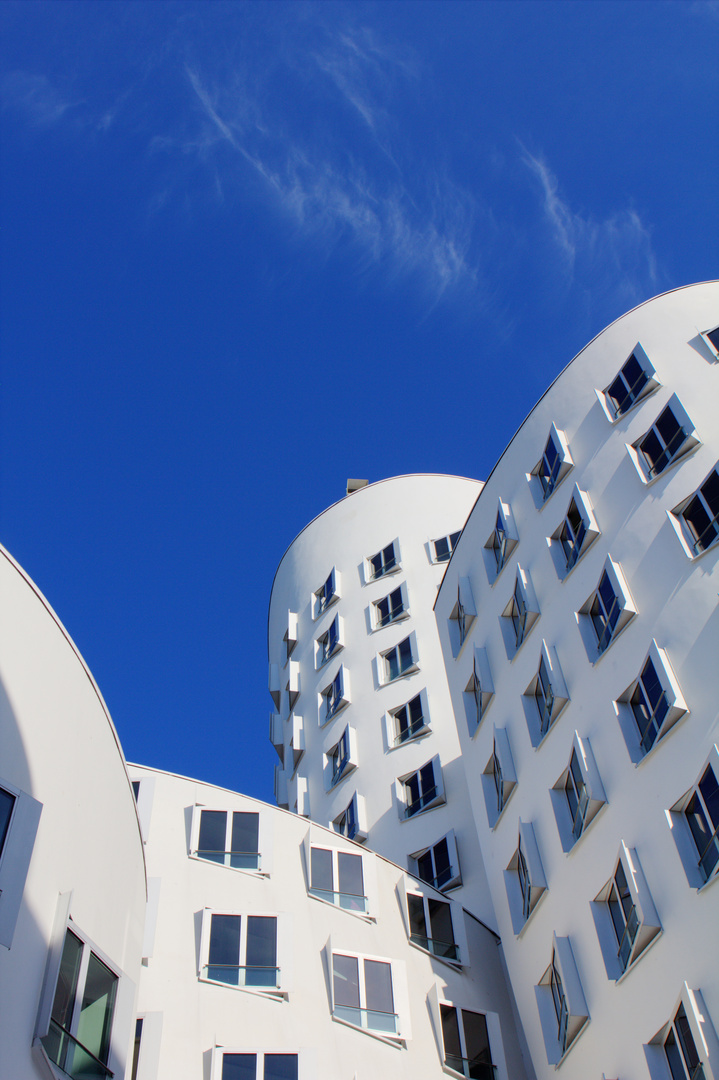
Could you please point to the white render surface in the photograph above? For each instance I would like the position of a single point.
(675, 599)
(200, 1017)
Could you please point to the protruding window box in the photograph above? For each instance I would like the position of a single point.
(551, 469)
(386, 561)
(246, 951)
(419, 791)
(687, 1045)
(334, 697)
(338, 876)
(438, 864)
(479, 691)
(19, 820)
(229, 838)
(297, 739)
(469, 1043)
(499, 778)
(277, 735)
(563, 1011)
(441, 549)
(624, 915)
(369, 993)
(407, 723)
(461, 617)
(327, 595)
(696, 519)
(650, 706)
(352, 822)
(524, 878)
(694, 824)
(578, 795)
(501, 543)
(575, 535)
(607, 612)
(291, 633)
(633, 383)
(433, 924)
(390, 608)
(670, 438)
(341, 758)
(520, 614)
(545, 697)
(275, 686)
(329, 643)
(711, 340)
(280, 788)
(293, 682)
(398, 662)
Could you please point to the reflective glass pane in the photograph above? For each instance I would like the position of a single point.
(321, 869)
(245, 836)
(346, 980)
(239, 1066)
(7, 801)
(98, 1002)
(280, 1067)
(349, 871)
(417, 925)
(213, 835)
(450, 1034)
(224, 954)
(476, 1037)
(378, 986)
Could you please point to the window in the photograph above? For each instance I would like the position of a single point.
(499, 778)
(466, 1043)
(479, 691)
(431, 926)
(649, 707)
(634, 382)
(407, 722)
(546, 695)
(438, 865)
(230, 838)
(520, 614)
(384, 562)
(290, 635)
(608, 610)
(686, 1047)
(292, 685)
(334, 697)
(680, 1049)
(242, 951)
(326, 595)
(701, 815)
(328, 643)
(444, 547)
(296, 745)
(421, 790)
(575, 535)
(351, 822)
(79, 1037)
(461, 616)
(552, 467)
(578, 795)
(697, 518)
(501, 543)
(343, 869)
(342, 757)
(19, 819)
(563, 1010)
(711, 338)
(362, 993)
(257, 1066)
(398, 661)
(668, 439)
(274, 686)
(625, 915)
(524, 878)
(390, 608)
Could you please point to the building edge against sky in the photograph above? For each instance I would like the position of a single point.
(508, 690)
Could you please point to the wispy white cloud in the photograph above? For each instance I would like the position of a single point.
(34, 96)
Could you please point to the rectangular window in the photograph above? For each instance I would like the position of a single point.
(342, 757)
(577, 795)
(351, 822)
(544, 696)
(329, 642)
(409, 721)
(560, 1003)
(389, 608)
(334, 697)
(702, 817)
(711, 337)
(229, 838)
(430, 924)
(462, 616)
(623, 913)
(572, 534)
(663, 443)
(604, 612)
(699, 516)
(525, 881)
(499, 542)
(398, 661)
(259, 1066)
(632, 383)
(326, 595)
(343, 869)
(563, 1009)
(680, 1049)
(438, 865)
(520, 613)
(78, 1041)
(383, 562)
(444, 547)
(649, 705)
(362, 992)
(7, 803)
(552, 467)
(243, 951)
(466, 1043)
(422, 789)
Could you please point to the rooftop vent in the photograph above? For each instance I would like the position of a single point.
(355, 485)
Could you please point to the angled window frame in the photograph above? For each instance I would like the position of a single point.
(273, 981)
(711, 340)
(441, 861)
(334, 697)
(571, 540)
(351, 822)
(554, 464)
(296, 743)
(479, 691)
(441, 549)
(391, 608)
(499, 778)
(491, 1064)
(563, 1011)
(430, 792)
(501, 542)
(578, 794)
(546, 695)
(461, 617)
(520, 614)
(624, 914)
(693, 1038)
(341, 758)
(634, 386)
(277, 735)
(293, 682)
(635, 705)
(392, 1027)
(329, 643)
(327, 595)
(256, 863)
(415, 894)
(613, 618)
(353, 903)
(21, 818)
(524, 878)
(407, 722)
(681, 442)
(706, 503)
(398, 662)
(385, 561)
(291, 634)
(698, 846)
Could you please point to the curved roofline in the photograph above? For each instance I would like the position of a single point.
(353, 494)
(96, 689)
(668, 292)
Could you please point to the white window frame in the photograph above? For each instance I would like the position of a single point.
(561, 1028)
(641, 923)
(564, 563)
(327, 595)
(383, 661)
(524, 881)
(415, 730)
(296, 744)
(703, 1035)
(264, 838)
(275, 687)
(394, 614)
(627, 611)
(280, 787)
(458, 954)
(400, 994)
(684, 531)
(499, 778)
(542, 482)
(648, 472)
(455, 874)
(546, 696)
(521, 611)
(341, 758)
(704, 335)
(587, 790)
(325, 841)
(671, 697)
(503, 539)
(293, 682)
(451, 540)
(435, 795)
(651, 383)
(435, 999)
(291, 633)
(479, 691)
(334, 697)
(461, 617)
(323, 652)
(388, 564)
(123, 1013)
(355, 812)
(306, 1060)
(15, 856)
(689, 853)
(283, 945)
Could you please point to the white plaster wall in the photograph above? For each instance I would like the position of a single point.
(197, 1016)
(676, 601)
(58, 744)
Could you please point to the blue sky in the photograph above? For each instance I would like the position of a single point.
(249, 250)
